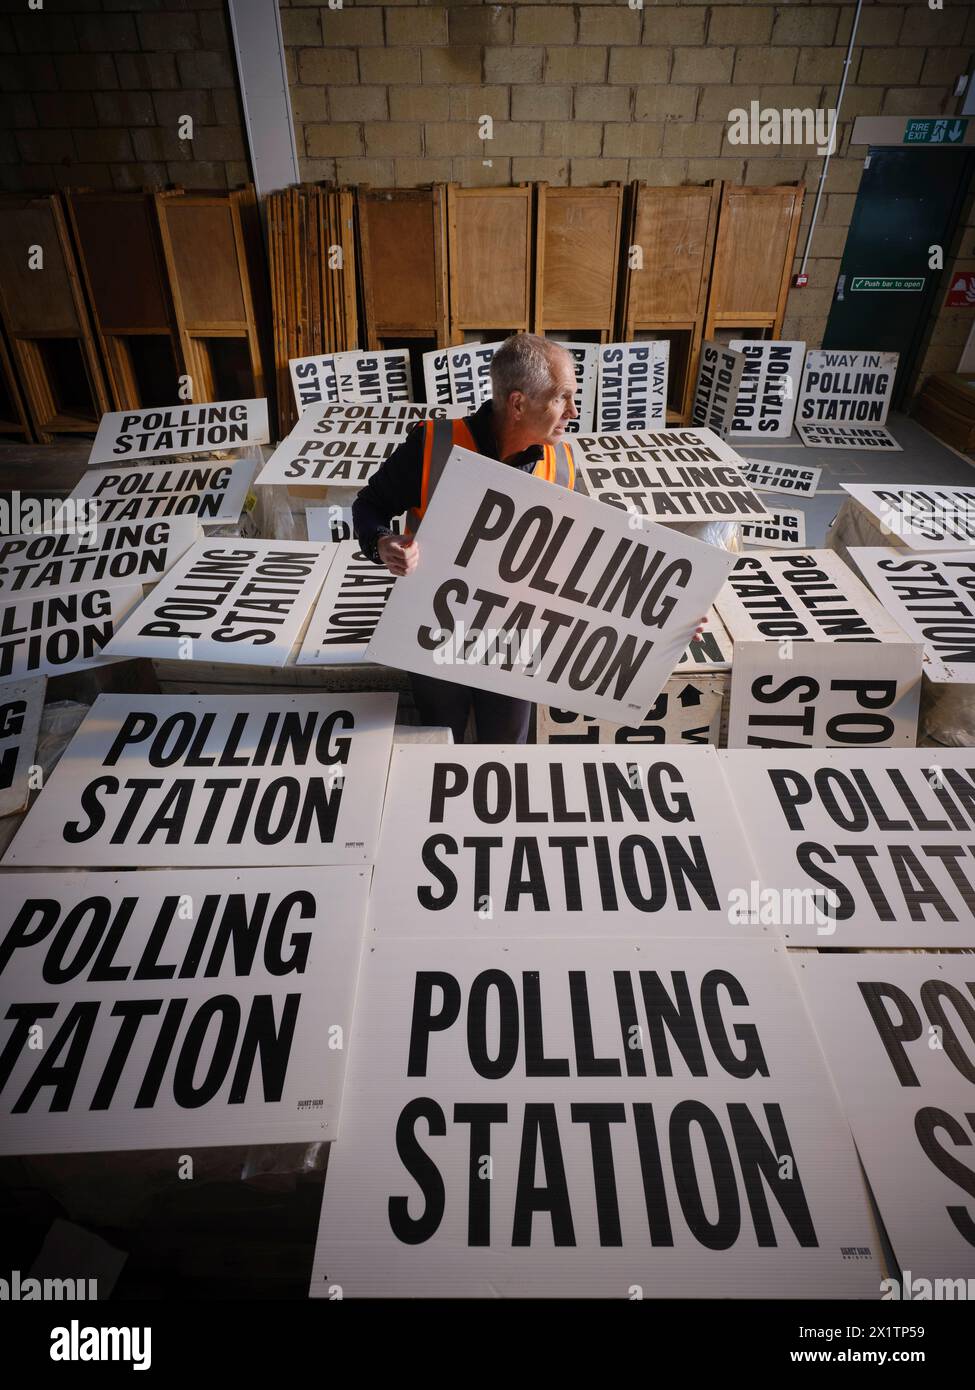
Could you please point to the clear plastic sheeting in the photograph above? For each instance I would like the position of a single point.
(852, 526)
(726, 535)
(947, 716)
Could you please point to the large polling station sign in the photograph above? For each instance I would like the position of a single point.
(348, 609)
(818, 662)
(460, 375)
(211, 492)
(933, 599)
(632, 386)
(869, 848)
(331, 458)
(562, 842)
(58, 633)
(534, 591)
(350, 376)
(229, 601)
(581, 1118)
(673, 475)
(897, 1032)
(719, 374)
(922, 518)
(70, 561)
(150, 1010)
(192, 780)
(20, 721)
(844, 399)
(130, 436)
(407, 413)
(765, 405)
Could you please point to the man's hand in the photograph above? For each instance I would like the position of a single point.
(698, 630)
(398, 553)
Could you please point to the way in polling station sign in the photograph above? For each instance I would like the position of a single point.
(131, 436)
(329, 458)
(560, 842)
(632, 386)
(212, 493)
(817, 661)
(897, 1032)
(765, 404)
(846, 388)
(59, 633)
(918, 516)
(933, 599)
(21, 706)
(168, 1008)
(531, 590)
(350, 376)
(869, 848)
(667, 475)
(579, 1118)
(234, 601)
(71, 561)
(193, 780)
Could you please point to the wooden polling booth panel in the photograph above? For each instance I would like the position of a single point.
(489, 259)
(753, 254)
(577, 243)
(665, 292)
(403, 265)
(14, 418)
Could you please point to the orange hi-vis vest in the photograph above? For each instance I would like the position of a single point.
(440, 436)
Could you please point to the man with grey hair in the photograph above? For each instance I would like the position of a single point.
(523, 425)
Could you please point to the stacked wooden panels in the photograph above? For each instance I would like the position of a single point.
(403, 265)
(946, 407)
(13, 408)
(577, 243)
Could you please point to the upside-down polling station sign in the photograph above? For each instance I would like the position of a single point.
(719, 373)
(532, 1118)
(531, 590)
(148, 1010)
(20, 721)
(897, 1032)
(632, 386)
(329, 459)
(765, 405)
(135, 553)
(564, 842)
(348, 609)
(350, 376)
(818, 662)
(933, 599)
(687, 710)
(923, 518)
(875, 437)
(666, 475)
(229, 601)
(193, 780)
(58, 633)
(211, 492)
(881, 839)
(131, 436)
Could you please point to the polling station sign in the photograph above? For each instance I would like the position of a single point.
(131, 436)
(679, 474)
(350, 376)
(543, 1118)
(334, 522)
(21, 706)
(436, 377)
(933, 599)
(349, 607)
(632, 386)
(818, 662)
(875, 437)
(765, 404)
(229, 601)
(332, 459)
(210, 492)
(128, 553)
(921, 517)
(897, 1034)
(58, 633)
(778, 529)
(531, 590)
(584, 364)
(469, 369)
(204, 1006)
(687, 710)
(191, 780)
(719, 374)
(846, 388)
(404, 412)
(869, 848)
(765, 475)
(564, 842)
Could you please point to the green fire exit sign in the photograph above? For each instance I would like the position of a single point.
(935, 131)
(887, 282)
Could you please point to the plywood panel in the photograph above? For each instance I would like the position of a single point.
(35, 302)
(674, 228)
(757, 230)
(202, 252)
(401, 240)
(577, 256)
(489, 257)
(120, 259)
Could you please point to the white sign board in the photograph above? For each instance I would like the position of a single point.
(531, 590)
(710, 1158)
(546, 841)
(687, 710)
(883, 836)
(334, 523)
(669, 475)
(719, 372)
(330, 460)
(349, 607)
(234, 601)
(189, 1007)
(436, 377)
(897, 1034)
(874, 437)
(469, 369)
(131, 436)
(818, 662)
(210, 492)
(924, 518)
(632, 386)
(193, 780)
(21, 707)
(778, 529)
(137, 553)
(59, 633)
(766, 402)
(406, 412)
(310, 427)
(933, 599)
(765, 475)
(584, 364)
(350, 376)
(846, 388)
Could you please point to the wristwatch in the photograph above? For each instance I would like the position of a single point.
(373, 551)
